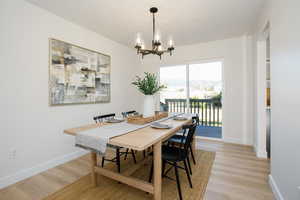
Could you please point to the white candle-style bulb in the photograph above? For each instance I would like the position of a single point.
(142, 46)
(138, 41)
(159, 48)
(171, 43)
(157, 37)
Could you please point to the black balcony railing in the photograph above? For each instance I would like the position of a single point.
(209, 110)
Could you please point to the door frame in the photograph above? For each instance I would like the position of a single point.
(261, 116)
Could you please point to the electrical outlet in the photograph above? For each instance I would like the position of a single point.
(12, 154)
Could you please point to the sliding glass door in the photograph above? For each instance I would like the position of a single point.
(195, 88)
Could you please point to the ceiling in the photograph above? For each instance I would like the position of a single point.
(186, 21)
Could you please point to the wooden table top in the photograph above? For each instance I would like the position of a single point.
(140, 139)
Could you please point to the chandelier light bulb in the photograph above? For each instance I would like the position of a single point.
(171, 43)
(138, 41)
(157, 37)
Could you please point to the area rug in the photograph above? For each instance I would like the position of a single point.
(108, 189)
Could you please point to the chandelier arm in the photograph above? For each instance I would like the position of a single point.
(145, 51)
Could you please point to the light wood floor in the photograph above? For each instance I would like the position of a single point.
(236, 174)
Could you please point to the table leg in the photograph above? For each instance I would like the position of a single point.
(93, 165)
(157, 171)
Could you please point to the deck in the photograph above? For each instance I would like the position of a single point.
(209, 131)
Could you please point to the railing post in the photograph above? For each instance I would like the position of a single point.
(214, 116)
(202, 117)
(218, 115)
(206, 113)
(167, 105)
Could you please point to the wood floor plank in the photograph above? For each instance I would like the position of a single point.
(236, 174)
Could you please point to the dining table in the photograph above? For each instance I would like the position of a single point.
(138, 140)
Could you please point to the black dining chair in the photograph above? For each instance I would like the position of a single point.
(176, 139)
(116, 159)
(129, 113)
(173, 155)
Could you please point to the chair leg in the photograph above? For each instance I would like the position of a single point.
(192, 154)
(189, 164)
(163, 168)
(133, 156)
(118, 159)
(126, 154)
(177, 180)
(144, 153)
(187, 173)
(151, 174)
(102, 163)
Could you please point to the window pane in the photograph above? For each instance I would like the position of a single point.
(205, 80)
(174, 77)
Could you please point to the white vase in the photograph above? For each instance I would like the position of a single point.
(149, 106)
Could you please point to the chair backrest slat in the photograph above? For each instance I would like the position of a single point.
(186, 140)
(128, 113)
(100, 118)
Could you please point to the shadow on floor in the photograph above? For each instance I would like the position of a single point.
(209, 131)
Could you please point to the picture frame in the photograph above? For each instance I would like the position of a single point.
(77, 75)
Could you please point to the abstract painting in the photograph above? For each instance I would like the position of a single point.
(77, 75)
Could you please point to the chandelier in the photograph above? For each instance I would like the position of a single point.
(157, 48)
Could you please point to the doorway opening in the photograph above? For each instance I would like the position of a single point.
(195, 88)
(263, 95)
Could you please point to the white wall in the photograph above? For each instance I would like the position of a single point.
(285, 97)
(27, 123)
(238, 80)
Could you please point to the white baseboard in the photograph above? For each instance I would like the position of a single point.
(225, 140)
(275, 189)
(208, 138)
(261, 154)
(233, 140)
(26, 173)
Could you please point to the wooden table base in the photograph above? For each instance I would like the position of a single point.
(93, 164)
(157, 170)
(125, 178)
(139, 140)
